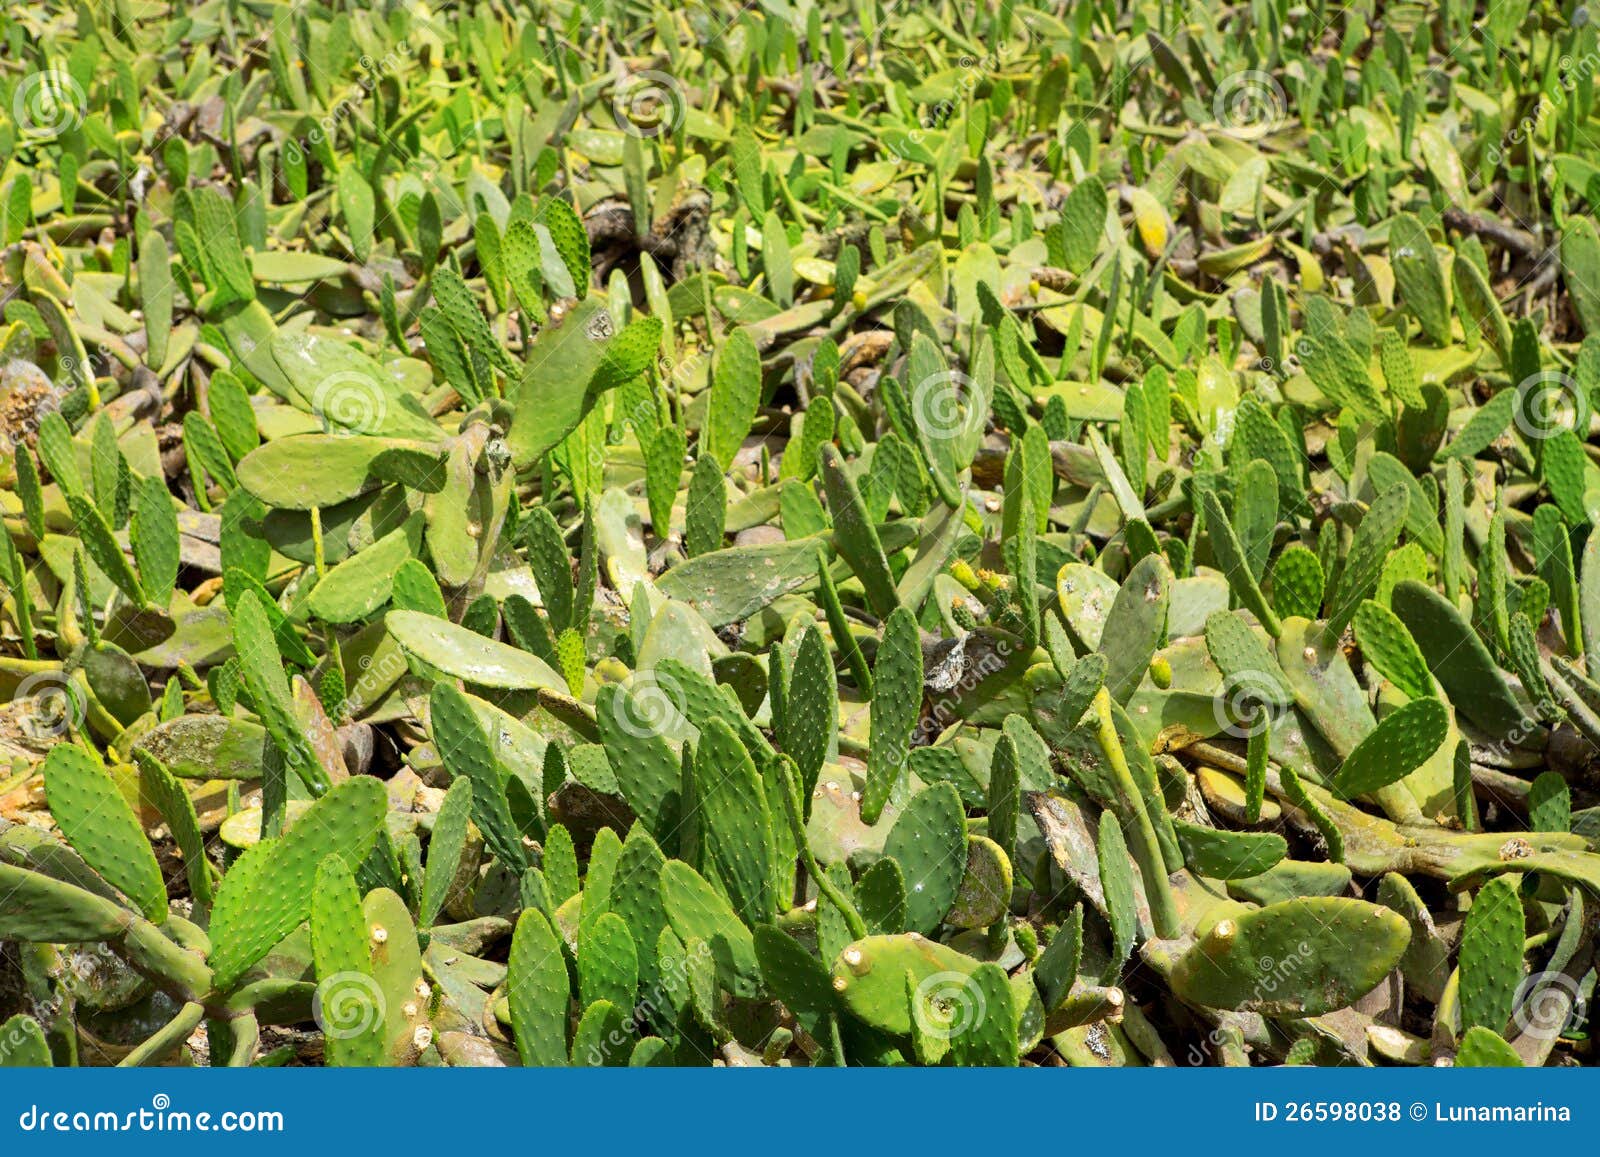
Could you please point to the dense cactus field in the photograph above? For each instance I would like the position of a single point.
(817, 533)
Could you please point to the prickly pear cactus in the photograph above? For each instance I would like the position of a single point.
(539, 992)
(95, 817)
(347, 1002)
(1299, 958)
(1491, 955)
(713, 571)
(270, 889)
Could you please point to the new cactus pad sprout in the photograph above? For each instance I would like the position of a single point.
(834, 534)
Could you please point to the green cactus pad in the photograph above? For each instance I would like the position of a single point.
(154, 537)
(896, 704)
(696, 911)
(636, 896)
(880, 898)
(1373, 540)
(268, 891)
(854, 535)
(729, 585)
(102, 828)
(808, 728)
(869, 977)
(929, 840)
(539, 992)
(1117, 876)
(1298, 958)
(1246, 664)
(601, 1038)
(1125, 795)
(648, 769)
(1483, 1048)
(608, 964)
(1459, 660)
(735, 392)
(560, 864)
(446, 847)
(262, 669)
(1426, 963)
(1005, 794)
(551, 403)
(408, 999)
(101, 546)
(348, 1002)
(1223, 855)
(1324, 686)
(1389, 647)
(466, 753)
(1290, 880)
(34, 907)
(172, 800)
(467, 655)
(1138, 622)
(796, 977)
(982, 1025)
(1491, 955)
(362, 583)
(1399, 744)
(985, 893)
(1056, 970)
(736, 823)
(1235, 564)
(24, 1045)
(314, 470)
